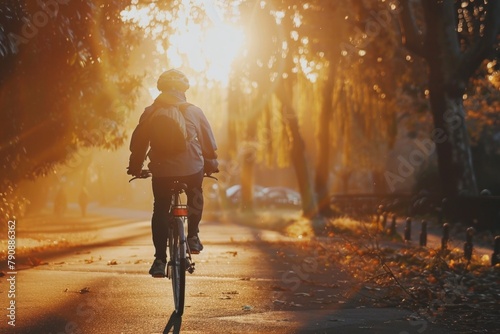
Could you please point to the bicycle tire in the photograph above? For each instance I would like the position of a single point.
(178, 265)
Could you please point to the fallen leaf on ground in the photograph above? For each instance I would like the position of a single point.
(34, 261)
(303, 294)
(84, 290)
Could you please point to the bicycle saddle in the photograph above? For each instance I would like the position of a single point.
(178, 186)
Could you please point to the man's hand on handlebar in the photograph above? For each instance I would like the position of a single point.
(141, 174)
(213, 172)
(134, 171)
(207, 174)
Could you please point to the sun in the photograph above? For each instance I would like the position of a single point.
(210, 51)
(206, 44)
(208, 48)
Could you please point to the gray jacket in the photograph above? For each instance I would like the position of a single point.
(201, 149)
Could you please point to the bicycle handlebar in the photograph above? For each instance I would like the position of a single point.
(146, 173)
(211, 177)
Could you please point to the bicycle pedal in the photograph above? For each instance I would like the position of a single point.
(158, 276)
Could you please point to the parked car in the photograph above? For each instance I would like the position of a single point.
(233, 194)
(275, 197)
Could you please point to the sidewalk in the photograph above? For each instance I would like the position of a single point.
(309, 289)
(44, 232)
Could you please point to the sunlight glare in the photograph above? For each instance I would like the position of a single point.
(141, 16)
(211, 51)
(222, 44)
(207, 47)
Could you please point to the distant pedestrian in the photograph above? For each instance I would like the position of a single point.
(83, 201)
(60, 203)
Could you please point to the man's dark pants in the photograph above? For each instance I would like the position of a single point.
(162, 197)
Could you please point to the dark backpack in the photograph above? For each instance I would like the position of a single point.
(167, 130)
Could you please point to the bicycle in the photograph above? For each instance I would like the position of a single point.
(180, 259)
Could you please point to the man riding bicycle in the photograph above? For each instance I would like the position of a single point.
(188, 166)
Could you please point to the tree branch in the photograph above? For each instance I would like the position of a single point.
(412, 37)
(449, 12)
(483, 45)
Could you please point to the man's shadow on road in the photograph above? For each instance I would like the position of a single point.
(173, 323)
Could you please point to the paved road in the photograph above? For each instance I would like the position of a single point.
(246, 281)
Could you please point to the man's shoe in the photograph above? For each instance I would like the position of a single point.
(195, 245)
(158, 268)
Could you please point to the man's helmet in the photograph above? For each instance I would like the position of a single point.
(173, 79)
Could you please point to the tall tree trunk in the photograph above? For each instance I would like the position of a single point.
(247, 179)
(246, 152)
(379, 182)
(301, 164)
(452, 142)
(446, 88)
(321, 180)
(450, 67)
(345, 177)
(297, 152)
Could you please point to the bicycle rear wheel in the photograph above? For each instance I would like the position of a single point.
(177, 264)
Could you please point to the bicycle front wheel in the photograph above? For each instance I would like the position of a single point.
(178, 264)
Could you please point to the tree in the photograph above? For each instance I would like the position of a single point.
(482, 104)
(271, 73)
(64, 84)
(300, 51)
(455, 38)
(355, 46)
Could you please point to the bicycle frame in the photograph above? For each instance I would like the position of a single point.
(179, 217)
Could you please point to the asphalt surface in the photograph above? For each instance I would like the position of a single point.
(246, 281)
